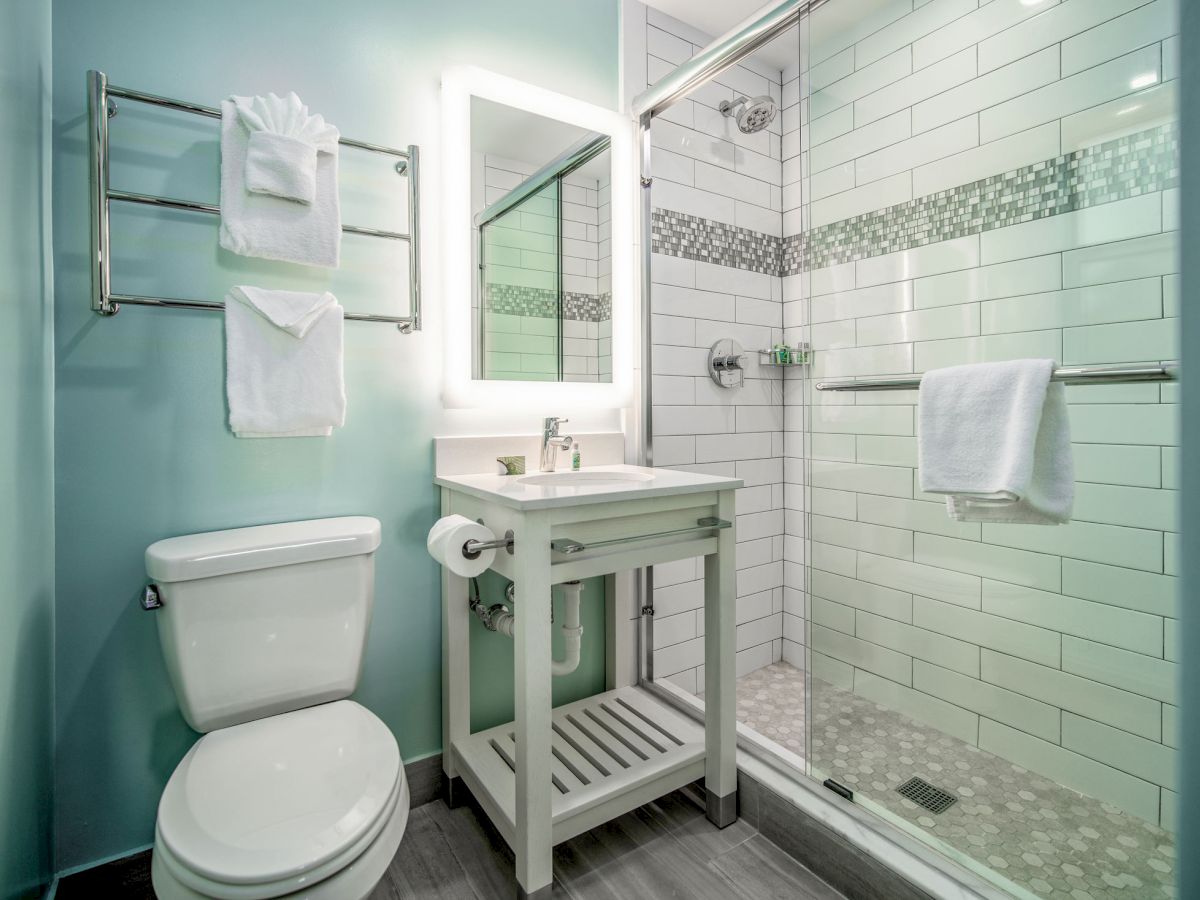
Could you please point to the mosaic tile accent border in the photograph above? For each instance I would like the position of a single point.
(540, 303)
(514, 300)
(692, 237)
(791, 255)
(1124, 167)
(587, 307)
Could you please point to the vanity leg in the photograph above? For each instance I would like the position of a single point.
(454, 792)
(534, 832)
(620, 636)
(456, 679)
(720, 722)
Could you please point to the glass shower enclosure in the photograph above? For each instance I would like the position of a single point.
(945, 183)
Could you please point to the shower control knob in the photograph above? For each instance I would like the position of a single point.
(725, 363)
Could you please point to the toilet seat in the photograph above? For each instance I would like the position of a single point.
(277, 805)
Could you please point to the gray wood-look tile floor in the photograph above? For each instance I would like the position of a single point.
(666, 849)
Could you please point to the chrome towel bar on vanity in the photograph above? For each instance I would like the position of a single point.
(1067, 375)
(567, 546)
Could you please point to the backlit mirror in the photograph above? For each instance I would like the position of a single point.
(541, 306)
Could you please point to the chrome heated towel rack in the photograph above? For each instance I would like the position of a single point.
(1067, 375)
(102, 106)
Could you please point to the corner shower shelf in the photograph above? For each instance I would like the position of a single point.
(611, 753)
(800, 355)
(767, 358)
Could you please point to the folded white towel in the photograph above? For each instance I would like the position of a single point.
(283, 363)
(284, 142)
(281, 166)
(995, 438)
(279, 182)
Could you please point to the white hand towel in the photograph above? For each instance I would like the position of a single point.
(281, 166)
(267, 146)
(281, 157)
(283, 363)
(995, 438)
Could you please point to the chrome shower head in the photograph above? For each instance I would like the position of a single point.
(752, 114)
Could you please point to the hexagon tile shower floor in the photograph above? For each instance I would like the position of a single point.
(1047, 838)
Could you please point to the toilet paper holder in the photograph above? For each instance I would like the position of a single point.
(472, 549)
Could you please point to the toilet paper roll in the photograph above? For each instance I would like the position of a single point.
(445, 543)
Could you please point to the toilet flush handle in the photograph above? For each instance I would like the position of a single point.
(150, 598)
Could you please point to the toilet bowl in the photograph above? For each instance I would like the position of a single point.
(311, 804)
(293, 791)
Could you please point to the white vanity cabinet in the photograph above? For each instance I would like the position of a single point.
(554, 773)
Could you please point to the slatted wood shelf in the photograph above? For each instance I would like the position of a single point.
(611, 753)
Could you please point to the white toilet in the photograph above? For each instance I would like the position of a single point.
(293, 791)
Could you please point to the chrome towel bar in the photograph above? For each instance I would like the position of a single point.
(106, 302)
(567, 546)
(1067, 375)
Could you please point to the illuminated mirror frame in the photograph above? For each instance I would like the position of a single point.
(462, 390)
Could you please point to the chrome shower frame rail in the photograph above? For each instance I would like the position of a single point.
(578, 154)
(722, 54)
(1066, 375)
(101, 107)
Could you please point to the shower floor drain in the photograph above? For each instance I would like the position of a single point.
(924, 794)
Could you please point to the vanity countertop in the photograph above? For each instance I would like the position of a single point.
(589, 485)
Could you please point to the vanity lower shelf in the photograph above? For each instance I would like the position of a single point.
(611, 753)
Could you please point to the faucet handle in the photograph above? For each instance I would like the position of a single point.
(551, 423)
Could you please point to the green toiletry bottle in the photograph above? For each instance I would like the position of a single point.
(575, 457)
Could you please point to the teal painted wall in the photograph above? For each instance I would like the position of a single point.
(1189, 652)
(142, 447)
(26, 450)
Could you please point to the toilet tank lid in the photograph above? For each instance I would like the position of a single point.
(213, 553)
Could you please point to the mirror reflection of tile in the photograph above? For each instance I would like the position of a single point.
(545, 292)
(522, 268)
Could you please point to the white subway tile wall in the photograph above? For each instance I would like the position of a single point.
(1051, 647)
(706, 169)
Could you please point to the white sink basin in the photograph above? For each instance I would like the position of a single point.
(590, 479)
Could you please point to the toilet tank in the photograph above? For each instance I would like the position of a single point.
(262, 620)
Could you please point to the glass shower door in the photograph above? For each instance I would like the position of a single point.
(520, 332)
(984, 184)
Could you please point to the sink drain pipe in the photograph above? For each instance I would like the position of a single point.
(500, 619)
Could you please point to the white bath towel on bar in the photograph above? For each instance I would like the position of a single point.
(279, 182)
(996, 440)
(283, 363)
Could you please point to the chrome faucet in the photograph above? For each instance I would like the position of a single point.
(551, 442)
